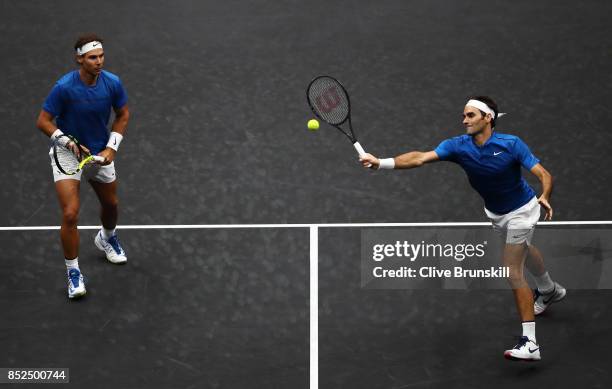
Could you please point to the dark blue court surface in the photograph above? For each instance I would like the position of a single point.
(190, 309)
(218, 136)
(449, 338)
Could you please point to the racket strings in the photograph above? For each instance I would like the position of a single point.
(67, 160)
(329, 100)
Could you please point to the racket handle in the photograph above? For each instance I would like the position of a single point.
(361, 151)
(98, 158)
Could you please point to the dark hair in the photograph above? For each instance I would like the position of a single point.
(86, 38)
(490, 103)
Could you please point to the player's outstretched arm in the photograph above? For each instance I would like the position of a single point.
(404, 161)
(546, 179)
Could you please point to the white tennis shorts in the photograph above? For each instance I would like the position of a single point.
(518, 225)
(94, 172)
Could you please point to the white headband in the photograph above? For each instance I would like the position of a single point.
(481, 106)
(87, 47)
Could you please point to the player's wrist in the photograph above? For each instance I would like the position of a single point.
(386, 163)
(61, 138)
(56, 134)
(114, 141)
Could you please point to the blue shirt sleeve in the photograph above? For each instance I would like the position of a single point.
(119, 95)
(446, 150)
(54, 103)
(522, 154)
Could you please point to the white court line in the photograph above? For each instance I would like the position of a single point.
(303, 225)
(314, 307)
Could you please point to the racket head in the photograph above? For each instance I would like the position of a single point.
(329, 100)
(65, 160)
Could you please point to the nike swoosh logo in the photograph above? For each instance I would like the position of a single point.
(94, 45)
(115, 141)
(499, 152)
(533, 351)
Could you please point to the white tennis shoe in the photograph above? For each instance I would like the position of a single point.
(76, 286)
(111, 247)
(525, 350)
(543, 300)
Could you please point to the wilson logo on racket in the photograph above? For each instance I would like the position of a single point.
(329, 100)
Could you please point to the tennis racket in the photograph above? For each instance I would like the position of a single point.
(70, 157)
(330, 102)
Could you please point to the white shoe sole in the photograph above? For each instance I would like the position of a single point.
(511, 357)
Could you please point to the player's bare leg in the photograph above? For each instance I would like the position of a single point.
(547, 291)
(514, 258)
(535, 261)
(68, 196)
(109, 202)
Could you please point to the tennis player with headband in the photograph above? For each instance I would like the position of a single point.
(81, 102)
(492, 162)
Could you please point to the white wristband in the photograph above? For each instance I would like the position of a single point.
(387, 163)
(56, 134)
(115, 140)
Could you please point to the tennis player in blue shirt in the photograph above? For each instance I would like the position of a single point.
(81, 103)
(492, 162)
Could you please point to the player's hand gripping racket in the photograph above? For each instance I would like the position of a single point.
(70, 157)
(330, 102)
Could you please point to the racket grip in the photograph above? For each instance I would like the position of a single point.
(361, 151)
(98, 158)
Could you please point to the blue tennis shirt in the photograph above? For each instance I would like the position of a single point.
(84, 111)
(493, 169)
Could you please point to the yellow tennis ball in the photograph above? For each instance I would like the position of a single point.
(313, 125)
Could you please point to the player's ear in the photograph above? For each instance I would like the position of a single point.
(79, 59)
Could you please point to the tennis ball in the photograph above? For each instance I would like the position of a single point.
(313, 125)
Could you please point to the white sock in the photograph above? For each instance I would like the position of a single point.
(106, 234)
(544, 283)
(72, 263)
(529, 330)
